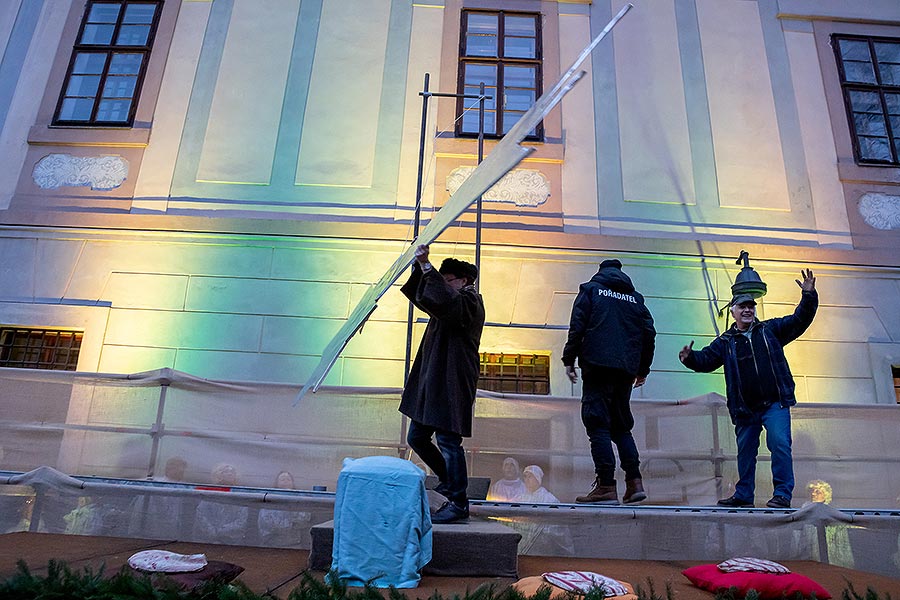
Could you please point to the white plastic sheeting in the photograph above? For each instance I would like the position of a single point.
(130, 426)
(234, 437)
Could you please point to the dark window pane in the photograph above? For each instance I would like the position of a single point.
(125, 64)
(871, 148)
(113, 110)
(855, 50)
(520, 26)
(887, 52)
(139, 13)
(865, 101)
(104, 12)
(893, 103)
(895, 126)
(76, 109)
(519, 47)
(519, 100)
(481, 45)
(83, 85)
(89, 63)
(97, 35)
(133, 35)
(890, 74)
(119, 87)
(520, 77)
(859, 72)
(869, 124)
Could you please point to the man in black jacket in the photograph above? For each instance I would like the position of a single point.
(611, 334)
(439, 396)
(759, 387)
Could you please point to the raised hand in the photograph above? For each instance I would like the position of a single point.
(422, 254)
(809, 280)
(683, 354)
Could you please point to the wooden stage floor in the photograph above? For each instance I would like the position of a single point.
(279, 570)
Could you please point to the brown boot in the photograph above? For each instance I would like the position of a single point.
(600, 494)
(634, 491)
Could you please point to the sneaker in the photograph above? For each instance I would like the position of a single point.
(634, 491)
(778, 502)
(735, 502)
(599, 494)
(450, 512)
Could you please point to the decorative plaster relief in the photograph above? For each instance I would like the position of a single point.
(99, 172)
(881, 211)
(522, 187)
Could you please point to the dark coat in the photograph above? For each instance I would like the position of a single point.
(768, 357)
(610, 326)
(440, 391)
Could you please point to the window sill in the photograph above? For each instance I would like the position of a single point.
(849, 171)
(549, 149)
(69, 135)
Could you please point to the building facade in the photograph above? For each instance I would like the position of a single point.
(210, 185)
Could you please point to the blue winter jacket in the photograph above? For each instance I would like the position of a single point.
(776, 333)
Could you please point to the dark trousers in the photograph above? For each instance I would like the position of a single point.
(776, 420)
(447, 460)
(606, 414)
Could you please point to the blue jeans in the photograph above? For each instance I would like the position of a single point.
(606, 415)
(777, 422)
(447, 460)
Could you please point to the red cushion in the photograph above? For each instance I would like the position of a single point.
(768, 585)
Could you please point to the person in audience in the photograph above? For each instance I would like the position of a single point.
(439, 396)
(837, 535)
(174, 469)
(540, 538)
(759, 387)
(221, 522)
(511, 486)
(158, 514)
(533, 478)
(83, 519)
(282, 528)
(819, 491)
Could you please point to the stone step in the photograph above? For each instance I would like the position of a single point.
(475, 548)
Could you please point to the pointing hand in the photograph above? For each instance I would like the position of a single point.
(683, 354)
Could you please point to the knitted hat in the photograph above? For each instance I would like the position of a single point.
(611, 262)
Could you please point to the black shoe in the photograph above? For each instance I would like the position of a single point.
(735, 502)
(449, 512)
(778, 502)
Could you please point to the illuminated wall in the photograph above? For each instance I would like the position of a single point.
(271, 178)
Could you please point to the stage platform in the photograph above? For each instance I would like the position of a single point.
(279, 570)
(476, 547)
